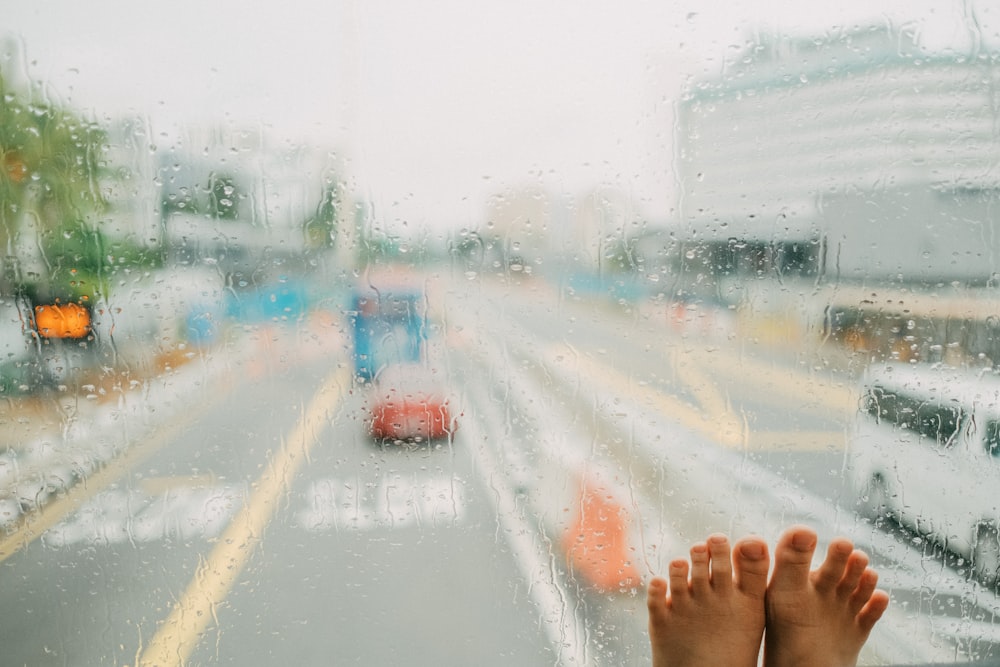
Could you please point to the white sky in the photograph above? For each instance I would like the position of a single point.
(439, 104)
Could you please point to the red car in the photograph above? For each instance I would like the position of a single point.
(408, 403)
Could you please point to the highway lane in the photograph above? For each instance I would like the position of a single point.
(140, 535)
(375, 555)
(381, 555)
(673, 446)
(462, 552)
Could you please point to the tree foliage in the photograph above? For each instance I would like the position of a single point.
(52, 162)
(321, 227)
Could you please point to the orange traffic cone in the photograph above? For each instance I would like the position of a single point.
(596, 543)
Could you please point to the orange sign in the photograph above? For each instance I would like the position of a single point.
(60, 320)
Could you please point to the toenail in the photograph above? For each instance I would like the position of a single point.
(844, 547)
(803, 541)
(717, 540)
(752, 550)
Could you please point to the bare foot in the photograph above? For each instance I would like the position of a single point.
(717, 616)
(819, 618)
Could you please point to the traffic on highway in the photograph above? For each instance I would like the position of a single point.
(244, 508)
(363, 333)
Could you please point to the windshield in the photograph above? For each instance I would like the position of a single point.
(372, 332)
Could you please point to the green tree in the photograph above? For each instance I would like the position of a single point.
(52, 161)
(321, 229)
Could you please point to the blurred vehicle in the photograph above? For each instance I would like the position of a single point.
(926, 452)
(409, 404)
(389, 327)
(20, 369)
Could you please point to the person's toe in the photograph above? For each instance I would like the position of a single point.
(721, 569)
(679, 586)
(750, 564)
(700, 582)
(857, 565)
(832, 571)
(793, 558)
(863, 590)
(656, 597)
(872, 611)
(659, 610)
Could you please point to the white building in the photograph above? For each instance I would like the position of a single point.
(602, 220)
(519, 225)
(843, 145)
(277, 189)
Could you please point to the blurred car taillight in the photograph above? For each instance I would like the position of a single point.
(62, 320)
(426, 418)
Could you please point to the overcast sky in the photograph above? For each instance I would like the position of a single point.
(439, 104)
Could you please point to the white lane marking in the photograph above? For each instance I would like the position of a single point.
(659, 538)
(535, 556)
(117, 516)
(104, 519)
(764, 502)
(394, 502)
(187, 513)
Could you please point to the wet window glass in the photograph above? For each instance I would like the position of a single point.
(384, 332)
(938, 423)
(992, 439)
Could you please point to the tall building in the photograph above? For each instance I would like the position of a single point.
(815, 155)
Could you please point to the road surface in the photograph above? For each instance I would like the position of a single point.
(238, 513)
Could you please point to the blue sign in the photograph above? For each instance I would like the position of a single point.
(390, 327)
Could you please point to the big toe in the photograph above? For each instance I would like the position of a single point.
(750, 565)
(793, 558)
(656, 597)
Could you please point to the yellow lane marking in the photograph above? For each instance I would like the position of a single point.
(50, 514)
(716, 421)
(725, 431)
(178, 635)
(713, 401)
(811, 392)
(717, 408)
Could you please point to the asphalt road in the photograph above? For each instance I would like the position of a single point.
(277, 533)
(246, 518)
